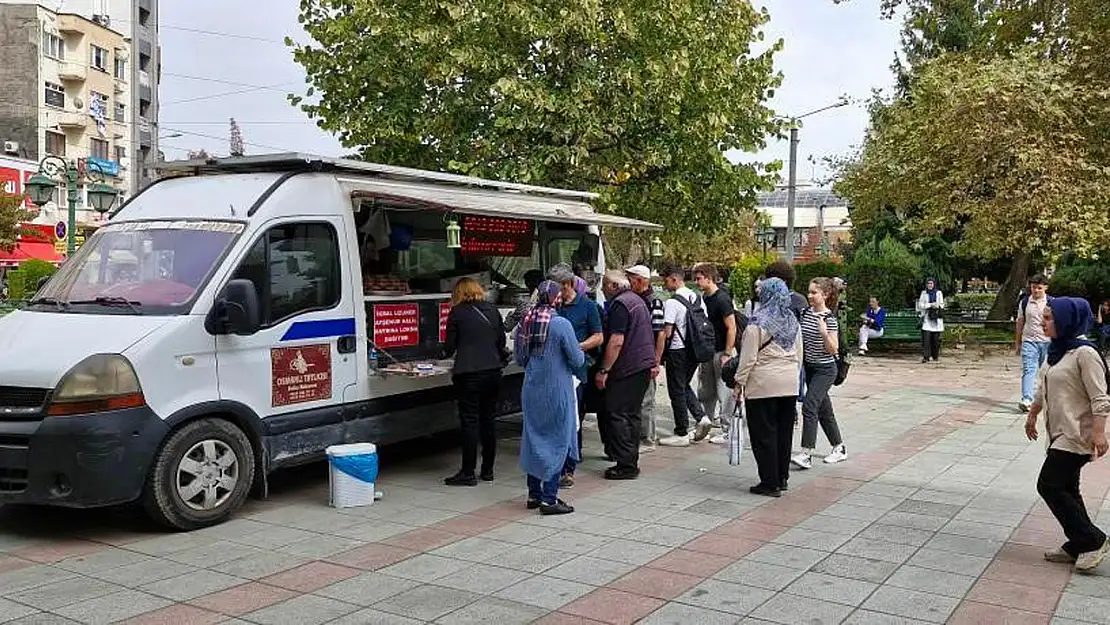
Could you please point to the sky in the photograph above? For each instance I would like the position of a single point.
(225, 58)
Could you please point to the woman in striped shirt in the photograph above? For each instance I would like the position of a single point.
(820, 346)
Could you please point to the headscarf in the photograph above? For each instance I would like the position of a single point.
(774, 315)
(534, 328)
(1072, 317)
(932, 293)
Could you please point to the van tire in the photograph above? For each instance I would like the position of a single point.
(210, 444)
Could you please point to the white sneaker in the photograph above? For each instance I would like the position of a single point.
(838, 454)
(675, 441)
(1088, 562)
(1024, 406)
(719, 439)
(802, 461)
(701, 430)
(647, 448)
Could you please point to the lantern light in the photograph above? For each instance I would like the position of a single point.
(454, 234)
(656, 247)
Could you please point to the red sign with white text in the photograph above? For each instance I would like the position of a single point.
(396, 325)
(300, 374)
(444, 312)
(497, 236)
(11, 181)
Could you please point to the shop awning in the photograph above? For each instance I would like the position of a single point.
(486, 202)
(27, 250)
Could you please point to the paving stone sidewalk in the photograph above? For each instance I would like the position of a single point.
(934, 518)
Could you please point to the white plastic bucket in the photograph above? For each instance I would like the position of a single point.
(347, 490)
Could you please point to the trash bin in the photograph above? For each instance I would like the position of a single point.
(352, 471)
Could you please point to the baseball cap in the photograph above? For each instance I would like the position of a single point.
(640, 271)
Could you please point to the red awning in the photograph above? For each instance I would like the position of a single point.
(26, 250)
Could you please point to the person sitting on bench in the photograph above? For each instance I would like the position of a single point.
(874, 321)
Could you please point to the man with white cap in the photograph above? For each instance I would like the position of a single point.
(640, 277)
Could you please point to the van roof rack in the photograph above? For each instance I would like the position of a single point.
(294, 161)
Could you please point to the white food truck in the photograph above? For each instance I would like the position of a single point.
(272, 306)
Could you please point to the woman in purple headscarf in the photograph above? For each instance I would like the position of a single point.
(1072, 394)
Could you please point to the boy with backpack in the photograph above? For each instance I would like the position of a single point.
(687, 341)
(1030, 341)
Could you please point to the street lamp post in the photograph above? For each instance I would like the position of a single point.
(54, 170)
(793, 182)
(765, 236)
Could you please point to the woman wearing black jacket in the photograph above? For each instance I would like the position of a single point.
(476, 338)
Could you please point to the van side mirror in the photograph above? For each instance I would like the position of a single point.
(236, 310)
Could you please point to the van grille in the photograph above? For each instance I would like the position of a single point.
(13, 469)
(22, 397)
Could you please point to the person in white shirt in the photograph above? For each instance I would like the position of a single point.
(930, 306)
(680, 363)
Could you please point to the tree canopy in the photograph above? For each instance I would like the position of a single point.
(638, 102)
(13, 212)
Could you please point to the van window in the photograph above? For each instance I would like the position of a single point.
(295, 268)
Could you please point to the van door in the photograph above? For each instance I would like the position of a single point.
(294, 371)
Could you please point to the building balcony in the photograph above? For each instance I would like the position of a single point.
(73, 121)
(72, 25)
(73, 71)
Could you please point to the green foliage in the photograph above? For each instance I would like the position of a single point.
(1091, 281)
(964, 302)
(805, 272)
(888, 271)
(742, 277)
(12, 213)
(23, 281)
(636, 101)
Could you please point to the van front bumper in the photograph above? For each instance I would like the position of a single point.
(80, 461)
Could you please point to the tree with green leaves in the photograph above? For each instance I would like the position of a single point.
(13, 212)
(638, 102)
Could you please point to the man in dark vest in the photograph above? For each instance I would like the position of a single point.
(625, 372)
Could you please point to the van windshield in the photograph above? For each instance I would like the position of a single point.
(149, 267)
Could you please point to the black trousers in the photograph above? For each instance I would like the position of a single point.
(1058, 485)
(624, 398)
(681, 367)
(817, 407)
(771, 430)
(477, 397)
(930, 345)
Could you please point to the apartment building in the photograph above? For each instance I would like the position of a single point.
(69, 93)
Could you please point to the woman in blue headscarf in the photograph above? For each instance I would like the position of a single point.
(546, 347)
(767, 379)
(1072, 393)
(930, 306)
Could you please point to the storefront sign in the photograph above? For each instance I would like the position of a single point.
(496, 236)
(396, 325)
(11, 181)
(300, 374)
(444, 312)
(104, 166)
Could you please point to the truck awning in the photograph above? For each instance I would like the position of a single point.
(489, 203)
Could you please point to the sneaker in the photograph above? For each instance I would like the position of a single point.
(1024, 406)
(613, 473)
(719, 439)
(1059, 556)
(675, 441)
(838, 454)
(717, 423)
(766, 491)
(567, 481)
(701, 430)
(1088, 562)
(532, 504)
(647, 448)
(461, 479)
(802, 461)
(863, 352)
(559, 507)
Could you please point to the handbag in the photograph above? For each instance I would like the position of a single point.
(736, 435)
(843, 359)
(728, 370)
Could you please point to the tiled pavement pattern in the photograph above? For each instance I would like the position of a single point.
(934, 518)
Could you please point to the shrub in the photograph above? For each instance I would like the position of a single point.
(891, 273)
(1089, 281)
(742, 276)
(23, 282)
(805, 272)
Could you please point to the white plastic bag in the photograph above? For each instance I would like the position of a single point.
(736, 435)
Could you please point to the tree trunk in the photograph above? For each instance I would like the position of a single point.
(1006, 301)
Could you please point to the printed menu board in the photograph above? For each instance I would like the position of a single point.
(396, 325)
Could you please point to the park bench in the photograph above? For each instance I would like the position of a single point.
(901, 325)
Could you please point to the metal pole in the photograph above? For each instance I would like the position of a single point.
(791, 188)
(72, 195)
(821, 229)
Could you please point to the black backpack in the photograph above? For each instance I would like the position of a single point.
(698, 336)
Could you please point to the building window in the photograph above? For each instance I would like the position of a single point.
(98, 148)
(55, 143)
(120, 67)
(53, 46)
(121, 153)
(98, 58)
(55, 95)
(121, 112)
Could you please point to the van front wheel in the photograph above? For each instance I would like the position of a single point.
(202, 475)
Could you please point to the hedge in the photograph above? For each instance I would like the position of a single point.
(742, 277)
(891, 273)
(806, 272)
(23, 281)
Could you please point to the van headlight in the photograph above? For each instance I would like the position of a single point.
(99, 383)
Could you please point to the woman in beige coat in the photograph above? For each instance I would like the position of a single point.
(767, 379)
(1072, 394)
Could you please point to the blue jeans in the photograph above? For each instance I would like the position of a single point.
(1032, 357)
(544, 492)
